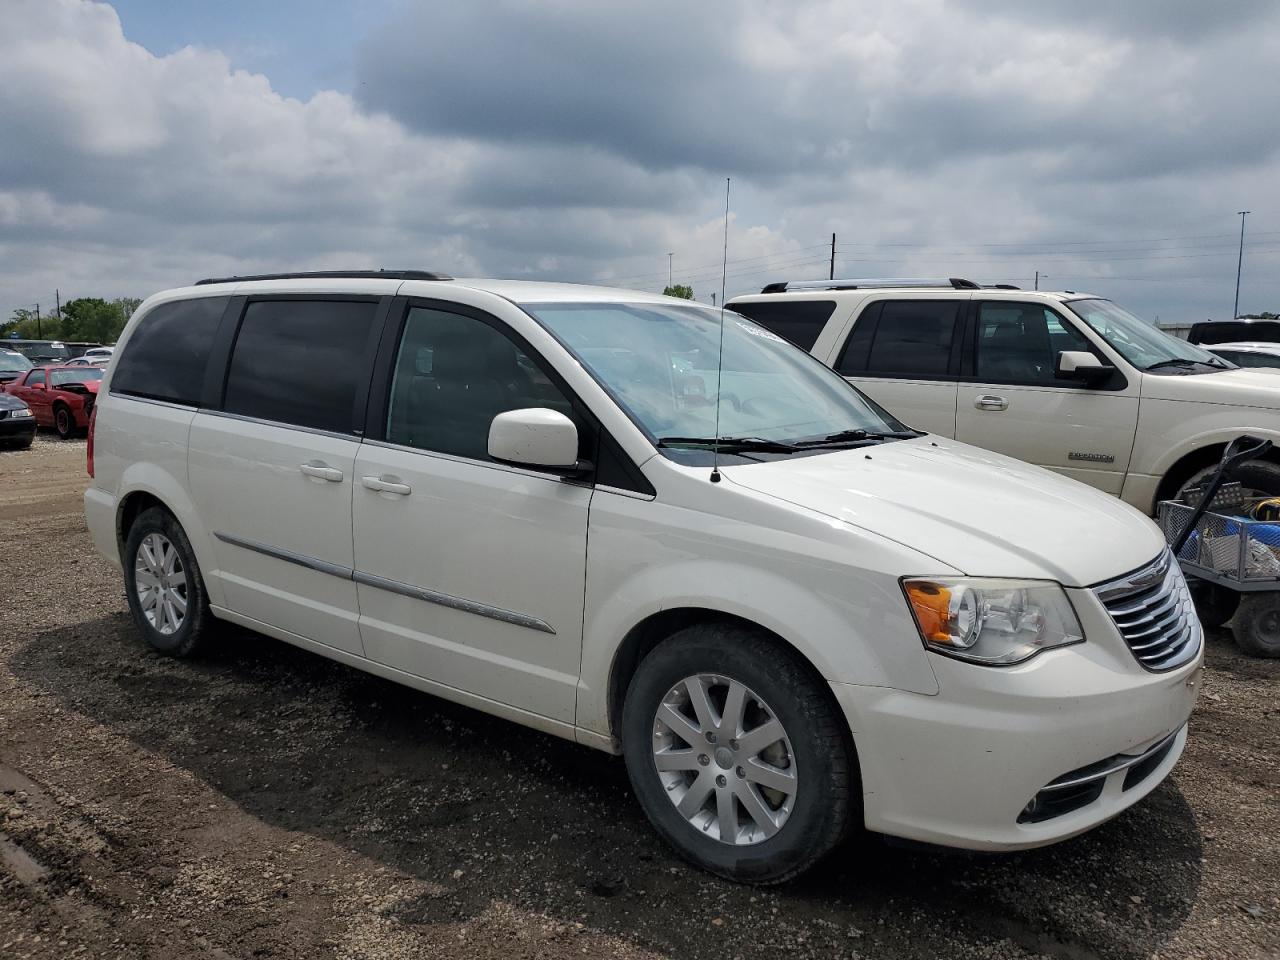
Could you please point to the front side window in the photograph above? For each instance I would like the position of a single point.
(59, 377)
(913, 339)
(35, 377)
(165, 355)
(300, 362)
(1020, 343)
(660, 365)
(453, 375)
(1144, 345)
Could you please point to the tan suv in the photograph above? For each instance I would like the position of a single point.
(1068, 381)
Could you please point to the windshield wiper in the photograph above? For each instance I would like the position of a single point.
(731, 444)
(857, 438)
(1176, 362)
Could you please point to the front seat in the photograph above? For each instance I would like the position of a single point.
(454, 407)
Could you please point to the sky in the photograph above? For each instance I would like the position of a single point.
(147, 143)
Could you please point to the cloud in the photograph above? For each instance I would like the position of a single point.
(576, 140)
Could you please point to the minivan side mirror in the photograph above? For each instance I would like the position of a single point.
(536, 437)
(1082, 365)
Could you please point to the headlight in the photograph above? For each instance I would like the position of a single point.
(19, 414)
(995, 622)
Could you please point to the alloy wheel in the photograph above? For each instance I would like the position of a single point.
(724, 759)
(160, 581)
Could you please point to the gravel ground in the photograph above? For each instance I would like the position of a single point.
(265, 802)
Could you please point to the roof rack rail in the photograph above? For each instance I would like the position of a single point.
(870, 283)
(1002, 286)
(332, 275)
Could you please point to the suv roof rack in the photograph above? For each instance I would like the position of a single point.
(333, 275)
(870, 283)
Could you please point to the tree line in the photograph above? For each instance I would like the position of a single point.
(85, 319)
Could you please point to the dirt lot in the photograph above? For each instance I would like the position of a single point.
(264, 802)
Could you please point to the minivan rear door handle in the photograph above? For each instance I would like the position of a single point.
(319, 470)
(387, 485)
(989, 402)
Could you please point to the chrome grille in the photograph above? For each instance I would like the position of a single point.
(1152, 609)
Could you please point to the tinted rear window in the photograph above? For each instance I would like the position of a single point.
(165, 355)
(800, 321)
(913, 338)
(300, 362)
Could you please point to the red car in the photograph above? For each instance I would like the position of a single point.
(60, 397)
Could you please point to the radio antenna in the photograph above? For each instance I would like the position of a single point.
(724, 268)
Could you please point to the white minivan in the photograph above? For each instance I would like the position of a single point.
(556, 504)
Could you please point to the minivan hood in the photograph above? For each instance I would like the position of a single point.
(1256, 387)
(977, 511)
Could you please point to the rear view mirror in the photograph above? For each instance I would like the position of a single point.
(1082, 365)
(535, 437)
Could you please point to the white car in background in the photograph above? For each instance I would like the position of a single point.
(1248, 353)
(795, 616)
(1064, 380)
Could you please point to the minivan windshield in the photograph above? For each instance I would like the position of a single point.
(659, 363)
(1143, 344)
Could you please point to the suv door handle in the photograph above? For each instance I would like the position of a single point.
(319, 470)
(387, 485)
(991, 403)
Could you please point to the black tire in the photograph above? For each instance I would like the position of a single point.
(1256, 624)
(825, 798)
(1259, 475)
(1215, 605)
(197, 622)
(64, 421)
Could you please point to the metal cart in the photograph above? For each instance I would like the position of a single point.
(1231, 558)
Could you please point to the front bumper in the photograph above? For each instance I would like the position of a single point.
(17, 428)
(1020, 757)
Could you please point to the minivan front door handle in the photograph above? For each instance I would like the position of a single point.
(319, 470)
(387, 485)
(991, 403)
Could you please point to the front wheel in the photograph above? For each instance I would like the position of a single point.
(737, 754)
(64, 422)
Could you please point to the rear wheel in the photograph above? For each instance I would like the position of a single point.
(1258, 477)
(64, 421)
(163, 585)
(737, 754)
(1256, 624)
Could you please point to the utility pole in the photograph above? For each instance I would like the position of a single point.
(670, 261)
(38, 336)
(57, 300)
(831, 274)
(1235, 312)
(1037, 279)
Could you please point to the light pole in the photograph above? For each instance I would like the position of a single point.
(1235, 312)
(670, 261)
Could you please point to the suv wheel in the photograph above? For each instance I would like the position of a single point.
(163, 584)
(736, 754)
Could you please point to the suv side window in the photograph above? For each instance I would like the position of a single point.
(800, 321)
(913, 339)
(1020, 343)
(301, 362)
(454, 374)
(165, 355)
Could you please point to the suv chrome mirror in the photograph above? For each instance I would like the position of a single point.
(1081, 365)
(535, 437)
